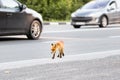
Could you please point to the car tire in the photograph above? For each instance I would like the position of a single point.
(76, 26)
(34, 30)
(103, 22)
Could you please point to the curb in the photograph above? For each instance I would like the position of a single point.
(56, 23)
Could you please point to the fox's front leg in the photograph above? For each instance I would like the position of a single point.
(58, 55)
(53, 56)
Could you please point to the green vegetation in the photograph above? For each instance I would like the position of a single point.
(55, 9)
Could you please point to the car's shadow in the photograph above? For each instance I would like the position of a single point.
(12, 39)
(19, 40)
(97, 27)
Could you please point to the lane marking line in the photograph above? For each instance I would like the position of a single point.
(76, 30)
(114, 37)
(78, 57)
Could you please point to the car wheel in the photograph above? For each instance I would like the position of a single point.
(34, 30)
(76, 26)
(103, 22)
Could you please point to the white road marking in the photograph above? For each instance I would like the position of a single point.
(50, 41)
(67, 58)
(114, 36)
(76, 30)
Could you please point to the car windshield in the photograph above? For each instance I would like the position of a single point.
(96, 4)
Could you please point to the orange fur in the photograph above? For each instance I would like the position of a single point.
(57, 46)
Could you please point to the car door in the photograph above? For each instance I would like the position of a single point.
(2, 21)
(112, 12)
(118, 10)
(15, 19)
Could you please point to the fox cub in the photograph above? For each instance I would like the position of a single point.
(58, 46)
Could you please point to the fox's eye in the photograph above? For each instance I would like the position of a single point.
(52, 44)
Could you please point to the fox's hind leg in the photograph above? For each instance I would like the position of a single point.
(62, 52)
(60, 55)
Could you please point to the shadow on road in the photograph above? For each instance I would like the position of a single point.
(12, 39)
(21, 40)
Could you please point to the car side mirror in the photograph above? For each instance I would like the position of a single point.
(22, 7)
(110, 9)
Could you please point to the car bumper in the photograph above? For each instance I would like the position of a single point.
(84, 21)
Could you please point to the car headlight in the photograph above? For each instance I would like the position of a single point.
(94, 14)
(73, 15)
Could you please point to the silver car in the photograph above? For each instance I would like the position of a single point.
(97, 12)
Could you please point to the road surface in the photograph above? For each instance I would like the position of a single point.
(35, 59)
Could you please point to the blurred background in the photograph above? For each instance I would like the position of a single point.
(55, 10)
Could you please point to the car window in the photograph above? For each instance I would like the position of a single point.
(9, 4)
(96, 4)
(113, 5)
(118, 3)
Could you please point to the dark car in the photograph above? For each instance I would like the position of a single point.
(17, 19)
(97, 12)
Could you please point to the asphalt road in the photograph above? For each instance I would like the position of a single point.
(98, 69)
(89, 40)
(77, 41)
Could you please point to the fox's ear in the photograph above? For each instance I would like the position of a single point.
(52, 44)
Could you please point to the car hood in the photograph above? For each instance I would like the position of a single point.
(86, 12)
(34, 13)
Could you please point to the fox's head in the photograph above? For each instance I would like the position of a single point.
(53, 48)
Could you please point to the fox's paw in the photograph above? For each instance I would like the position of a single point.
(52, 57)
(63, 54)
(58, 56)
